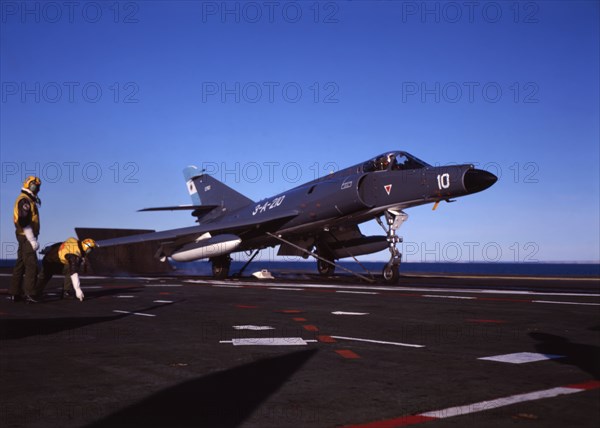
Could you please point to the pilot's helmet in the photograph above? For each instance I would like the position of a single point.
(384, 162)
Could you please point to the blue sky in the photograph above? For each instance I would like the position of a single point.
(108, 101)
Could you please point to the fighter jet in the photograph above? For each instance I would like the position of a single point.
(320, 218)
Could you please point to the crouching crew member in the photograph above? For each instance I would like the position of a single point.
(27, 227)
(69, 258)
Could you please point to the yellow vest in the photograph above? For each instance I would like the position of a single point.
(35, 218)
(70, 246)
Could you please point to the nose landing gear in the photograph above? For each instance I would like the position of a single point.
(394, 220)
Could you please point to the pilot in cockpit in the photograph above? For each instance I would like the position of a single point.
(384, 161)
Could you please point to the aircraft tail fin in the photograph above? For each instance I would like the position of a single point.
(206, 190)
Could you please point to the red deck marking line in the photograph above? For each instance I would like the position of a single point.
(326, 339)
(481, 406)
(346, 353)
(246, 306)
(165, 293)
(310, 327)
(290, 311)
(592, 384)
(392, 423)
(487, 321)
(299, 319)
(498, 299)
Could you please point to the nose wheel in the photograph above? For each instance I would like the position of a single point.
(391, 273)
(394, 220)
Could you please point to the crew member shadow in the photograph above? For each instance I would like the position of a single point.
(224, 399)
(14, 329)
(53, 295)
(585, 357)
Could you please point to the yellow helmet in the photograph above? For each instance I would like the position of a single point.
(32, 184)
(88, 245)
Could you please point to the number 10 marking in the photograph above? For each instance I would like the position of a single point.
(443, 181)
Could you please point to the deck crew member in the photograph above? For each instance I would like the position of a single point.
(27, 228)
(69, 258)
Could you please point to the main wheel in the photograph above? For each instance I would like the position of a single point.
(325, 269)
(220, 267)
(391, 274)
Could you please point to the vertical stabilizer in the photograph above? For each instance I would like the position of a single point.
(206, 190)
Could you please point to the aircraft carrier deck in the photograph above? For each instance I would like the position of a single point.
(302, 352)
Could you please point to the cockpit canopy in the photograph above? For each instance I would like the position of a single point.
(394, 161)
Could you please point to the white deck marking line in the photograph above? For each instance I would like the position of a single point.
(135, 313)
(269, 341)
(253, 327)
(349, 313)
(566, 303)
(124, 297)
(349, 290)
(356, 292)
(381, 342)
(401, 289)
(162, 301)
(91, 287)
(534, 278)
(120, 278)
(163, 285)
(482, 405)
(450, 297)
(135, 278)
(499, 402)
(521, 357)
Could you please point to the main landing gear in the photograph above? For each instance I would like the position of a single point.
(394, 220)
(325, 263)
(325, 268)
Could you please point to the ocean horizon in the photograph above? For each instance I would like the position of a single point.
(567, 269)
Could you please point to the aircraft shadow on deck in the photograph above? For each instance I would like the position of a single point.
(15, 329)
(224, 399)
(585, 357)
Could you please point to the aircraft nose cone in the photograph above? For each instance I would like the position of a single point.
(476, 180)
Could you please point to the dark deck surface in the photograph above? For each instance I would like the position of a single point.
(169, 352)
